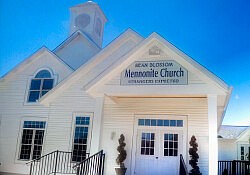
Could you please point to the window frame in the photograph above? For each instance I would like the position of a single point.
(151, 143)
(246, 150)
(173, 140)
(31, 77)
(20, 134)
(89, 139)
(148, 115)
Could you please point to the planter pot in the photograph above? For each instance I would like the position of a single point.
(120, 170)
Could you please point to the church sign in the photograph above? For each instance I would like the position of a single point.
(166, 72)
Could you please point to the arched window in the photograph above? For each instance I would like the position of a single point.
(40, 85)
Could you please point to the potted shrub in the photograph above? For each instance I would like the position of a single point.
(194, 157)
(121, 169)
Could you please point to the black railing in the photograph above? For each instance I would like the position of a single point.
(94, 165)
(235, 167)
(53, 163)
(183, 168)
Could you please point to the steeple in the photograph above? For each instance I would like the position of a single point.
(90, 19)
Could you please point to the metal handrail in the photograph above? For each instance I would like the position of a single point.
(52, 163)
(40, 157)
(93, 165)
(183, 167)
(88, 158)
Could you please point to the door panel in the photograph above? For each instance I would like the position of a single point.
(157, 152)
(146, 153)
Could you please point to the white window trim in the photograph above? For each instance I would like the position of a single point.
(77, 114)
(20, 134)
(239, 145)
(53, 76)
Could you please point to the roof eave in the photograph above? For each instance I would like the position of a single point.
(48, 97)
(195, 64)
(71, 38)
(189, 59)
(30, 59)
(226, 105)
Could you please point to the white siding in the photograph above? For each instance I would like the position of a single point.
(60, 125)
(59, 131)
(13, 108)
(119, 118)
(75, 100)
(227, 149)
(118, 115)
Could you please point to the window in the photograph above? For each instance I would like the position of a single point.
(81, 138)
(242, 153)
(147, 143)
(170, 144)
(40, 85)
(32, 140)
(98, 27)
(82, 20)
(159, 122)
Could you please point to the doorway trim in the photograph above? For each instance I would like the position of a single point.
(184, 130)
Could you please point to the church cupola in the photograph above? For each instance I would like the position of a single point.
(90, 19)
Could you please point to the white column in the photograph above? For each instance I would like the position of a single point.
(213, 141)
(97, 126)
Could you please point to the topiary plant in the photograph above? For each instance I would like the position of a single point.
(194, 157)
(122, 152)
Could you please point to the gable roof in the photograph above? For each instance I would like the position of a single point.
(127, 58)
(32, 58)
(219, 86)
(154, 36)
(53, 93)
(231, 132)
(71, 38)
(71, 61)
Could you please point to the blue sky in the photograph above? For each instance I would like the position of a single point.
(214, 33)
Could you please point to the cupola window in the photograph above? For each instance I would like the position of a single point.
(98, 27)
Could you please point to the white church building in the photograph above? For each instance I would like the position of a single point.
(80, 98)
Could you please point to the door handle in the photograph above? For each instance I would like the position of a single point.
(156, 157)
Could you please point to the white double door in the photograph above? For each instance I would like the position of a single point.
(158, 152)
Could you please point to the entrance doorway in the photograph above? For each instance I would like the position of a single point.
(158, 146)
